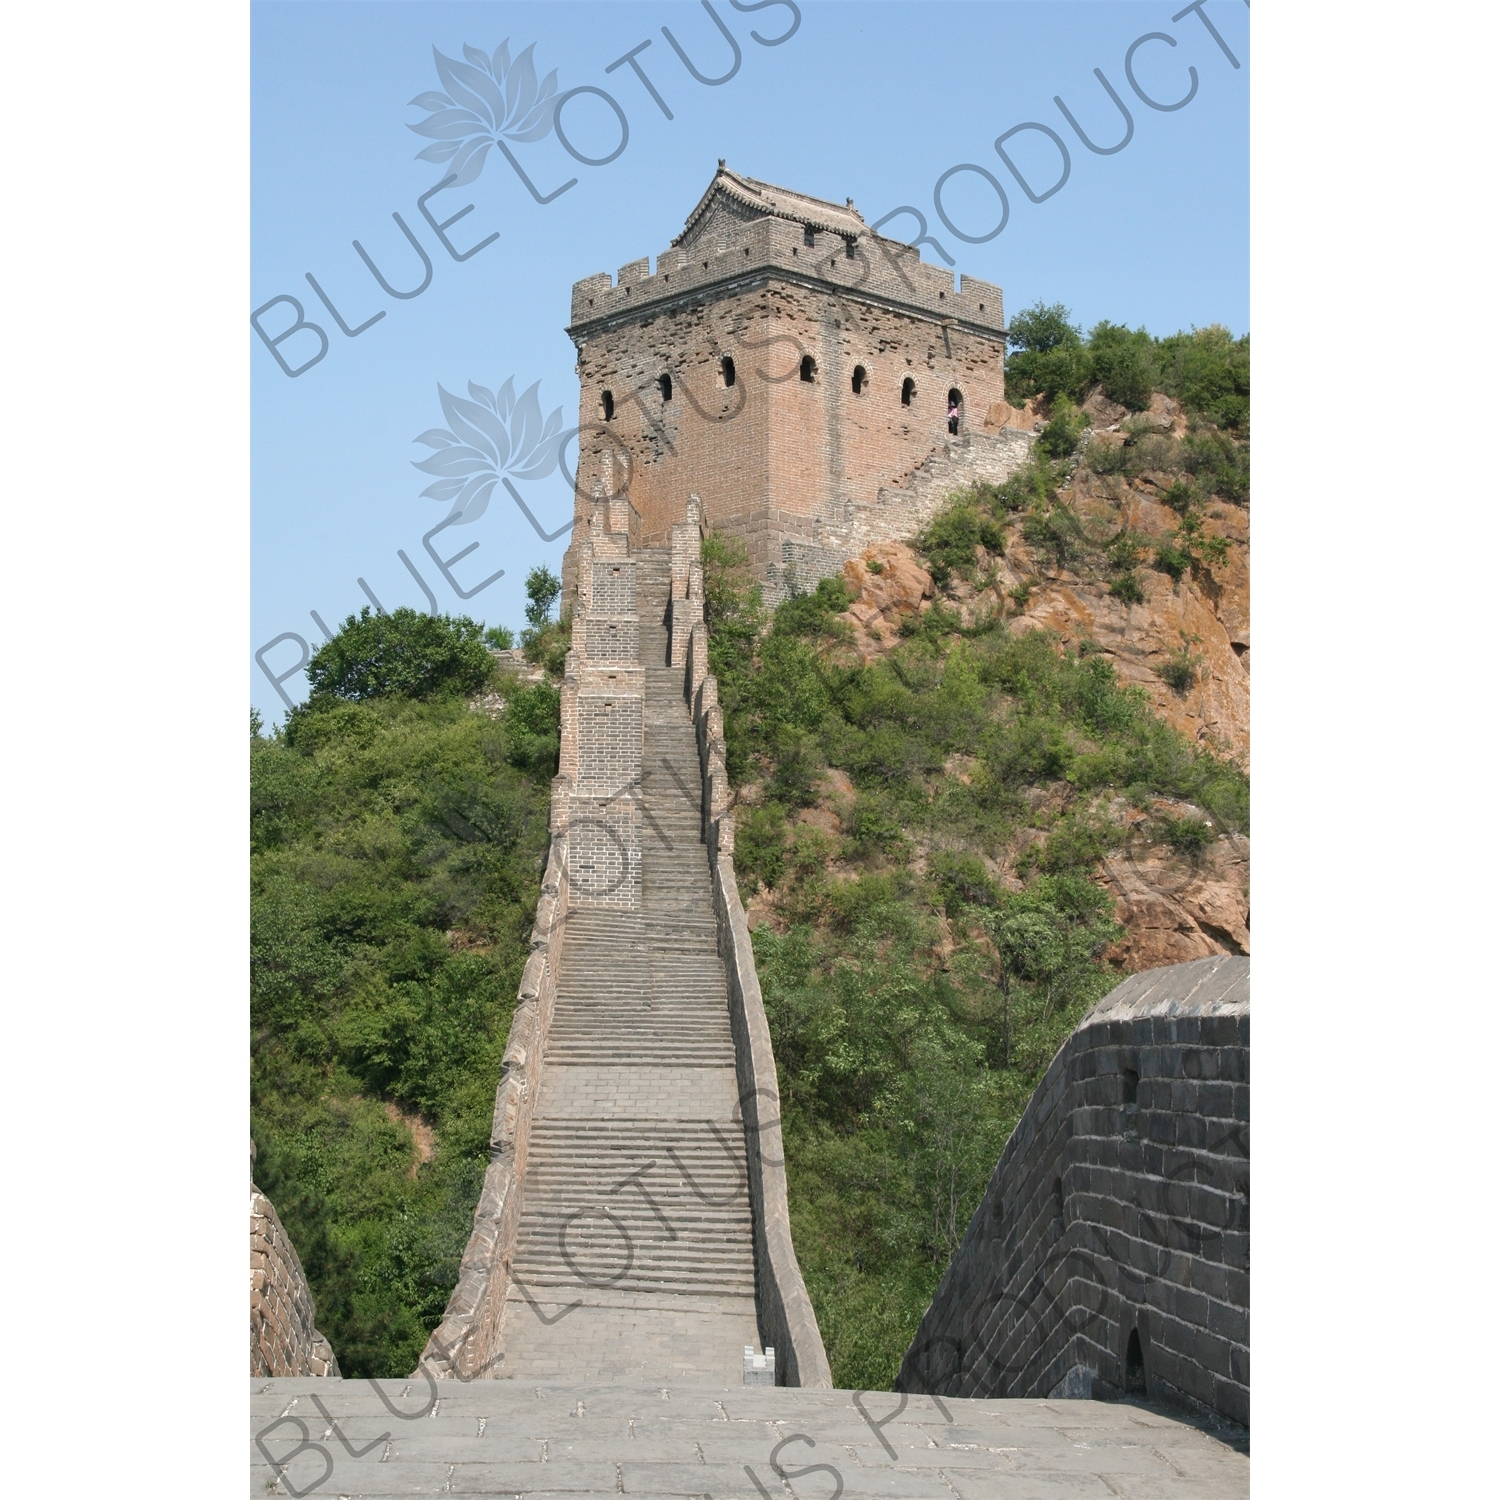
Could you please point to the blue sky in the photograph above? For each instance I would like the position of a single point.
(870, 101)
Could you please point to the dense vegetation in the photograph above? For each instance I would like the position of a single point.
(914, 998)
(1208, 369)
(396, 848)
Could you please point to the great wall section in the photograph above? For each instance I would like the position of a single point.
(630, 1283)
(634, 1222)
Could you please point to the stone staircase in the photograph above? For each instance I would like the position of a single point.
(634, 1253)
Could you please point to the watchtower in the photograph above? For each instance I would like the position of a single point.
(785, 363)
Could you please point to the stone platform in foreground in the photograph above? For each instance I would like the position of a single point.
(509, 1438)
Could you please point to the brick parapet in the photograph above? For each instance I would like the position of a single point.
(1119, 1209)
(787, 1320)
(283, 1339)
(468, 1342)
(879, 272)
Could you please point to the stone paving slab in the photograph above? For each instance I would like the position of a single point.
(590, 1093)
(518, 1439)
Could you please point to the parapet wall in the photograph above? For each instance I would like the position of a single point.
(467, 1343)
(283, 1340)
(1111, 1252)
(593, 862)
(868, 268)
(787, 1320)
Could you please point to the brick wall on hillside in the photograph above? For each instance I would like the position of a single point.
(1111, 1252)
(283, 1340)
(786, 1312)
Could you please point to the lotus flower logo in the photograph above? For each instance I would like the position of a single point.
(494, 435)
(487, 98)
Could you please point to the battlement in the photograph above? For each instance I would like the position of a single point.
(740, 256)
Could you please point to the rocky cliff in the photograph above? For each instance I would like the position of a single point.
(1141, 513)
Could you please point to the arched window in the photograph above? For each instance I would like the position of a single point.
(726, 367)
(608, 404)
(860, 380)
(908, 390)
(665, 382)
(955, 396)
(808, 369)
(955, 409)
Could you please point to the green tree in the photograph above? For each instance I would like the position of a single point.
(1049, 358)
(405, 654)
(1124, 363)
(1043, 327)
(542, 588)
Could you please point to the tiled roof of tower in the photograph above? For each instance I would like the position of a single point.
(773, 202)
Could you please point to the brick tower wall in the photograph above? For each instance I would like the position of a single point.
(774, 457)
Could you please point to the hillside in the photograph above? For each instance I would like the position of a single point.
(397, 840)
(975, 780)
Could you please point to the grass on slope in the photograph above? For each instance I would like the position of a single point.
(914, 998)
(396, 857)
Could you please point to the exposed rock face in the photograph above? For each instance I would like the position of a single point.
(1207, 617)
(1176, 909)
(891, 585)
(1139, 638)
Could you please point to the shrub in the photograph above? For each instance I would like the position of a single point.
(1056, 531)
(1109, 458)
(1180, 670)
(1220, 462)
(1124, 363)
(404, 654)
(1127, 588)
(1172, 561)
(532, 719)
(501, 637)
(951, 540)
(811, 615)
(546, 645)
(1178, 496)
(872, 827)
(1190, 836)
(1021, 594)
(1076, 843)
(1034, 483)
(1060, 436)
(1124, 551)
(962, 880)
(1208, 370)
(760, 844)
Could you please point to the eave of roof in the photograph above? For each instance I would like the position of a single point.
(775, 203)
